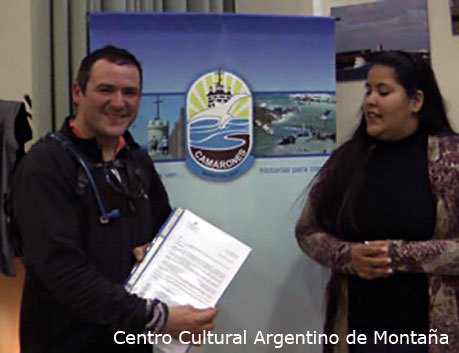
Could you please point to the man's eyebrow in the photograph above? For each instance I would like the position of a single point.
(104, 84)
(110, 85)
(131, 88)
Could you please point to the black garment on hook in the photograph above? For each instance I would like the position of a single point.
(15, 131)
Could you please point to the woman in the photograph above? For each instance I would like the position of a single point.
(383, 215)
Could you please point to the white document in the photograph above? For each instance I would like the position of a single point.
(189, 262)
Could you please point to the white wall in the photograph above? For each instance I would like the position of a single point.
(348, 98)
(15, 41)
(445, 54)
(347, 2)
(286, 7)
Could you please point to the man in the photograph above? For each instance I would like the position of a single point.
(78, 247)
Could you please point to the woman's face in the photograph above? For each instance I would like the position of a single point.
(389, 112)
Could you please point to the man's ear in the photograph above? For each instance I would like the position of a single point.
(417, 100)
(77, 93)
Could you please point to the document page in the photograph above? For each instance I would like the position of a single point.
(190, 262)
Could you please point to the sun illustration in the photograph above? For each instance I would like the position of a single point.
(219, 89)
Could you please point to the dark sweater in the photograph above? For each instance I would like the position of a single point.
(73, 299)
(395, 201)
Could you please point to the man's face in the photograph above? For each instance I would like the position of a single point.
(110, 103)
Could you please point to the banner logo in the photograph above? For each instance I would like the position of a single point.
(219, 126)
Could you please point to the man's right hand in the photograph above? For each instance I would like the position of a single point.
(187, 318)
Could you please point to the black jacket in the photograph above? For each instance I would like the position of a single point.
(15, 131)
(73, 299)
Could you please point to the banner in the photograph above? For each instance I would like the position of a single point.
(238, 114)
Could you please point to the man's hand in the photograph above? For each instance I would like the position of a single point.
(371, 259)
(139, 252)
(187, 318)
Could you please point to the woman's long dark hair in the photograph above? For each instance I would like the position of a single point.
(335, 185)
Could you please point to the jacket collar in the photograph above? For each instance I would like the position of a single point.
(90, 147)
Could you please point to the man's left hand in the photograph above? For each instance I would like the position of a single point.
(139, 252)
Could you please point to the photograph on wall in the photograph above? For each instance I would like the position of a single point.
(286, 64)
(454, 5)
(364, 30)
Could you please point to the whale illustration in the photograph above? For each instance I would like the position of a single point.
(220, 111)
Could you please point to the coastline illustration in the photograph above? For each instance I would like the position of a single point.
(294, 124)
(283, 124)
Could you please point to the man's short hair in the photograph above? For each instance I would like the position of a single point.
(110, 53)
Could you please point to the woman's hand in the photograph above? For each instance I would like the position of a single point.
(371, 259)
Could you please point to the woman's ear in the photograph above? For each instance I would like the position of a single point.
(417, 100)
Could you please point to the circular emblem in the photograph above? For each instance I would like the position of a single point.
(219, 121)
